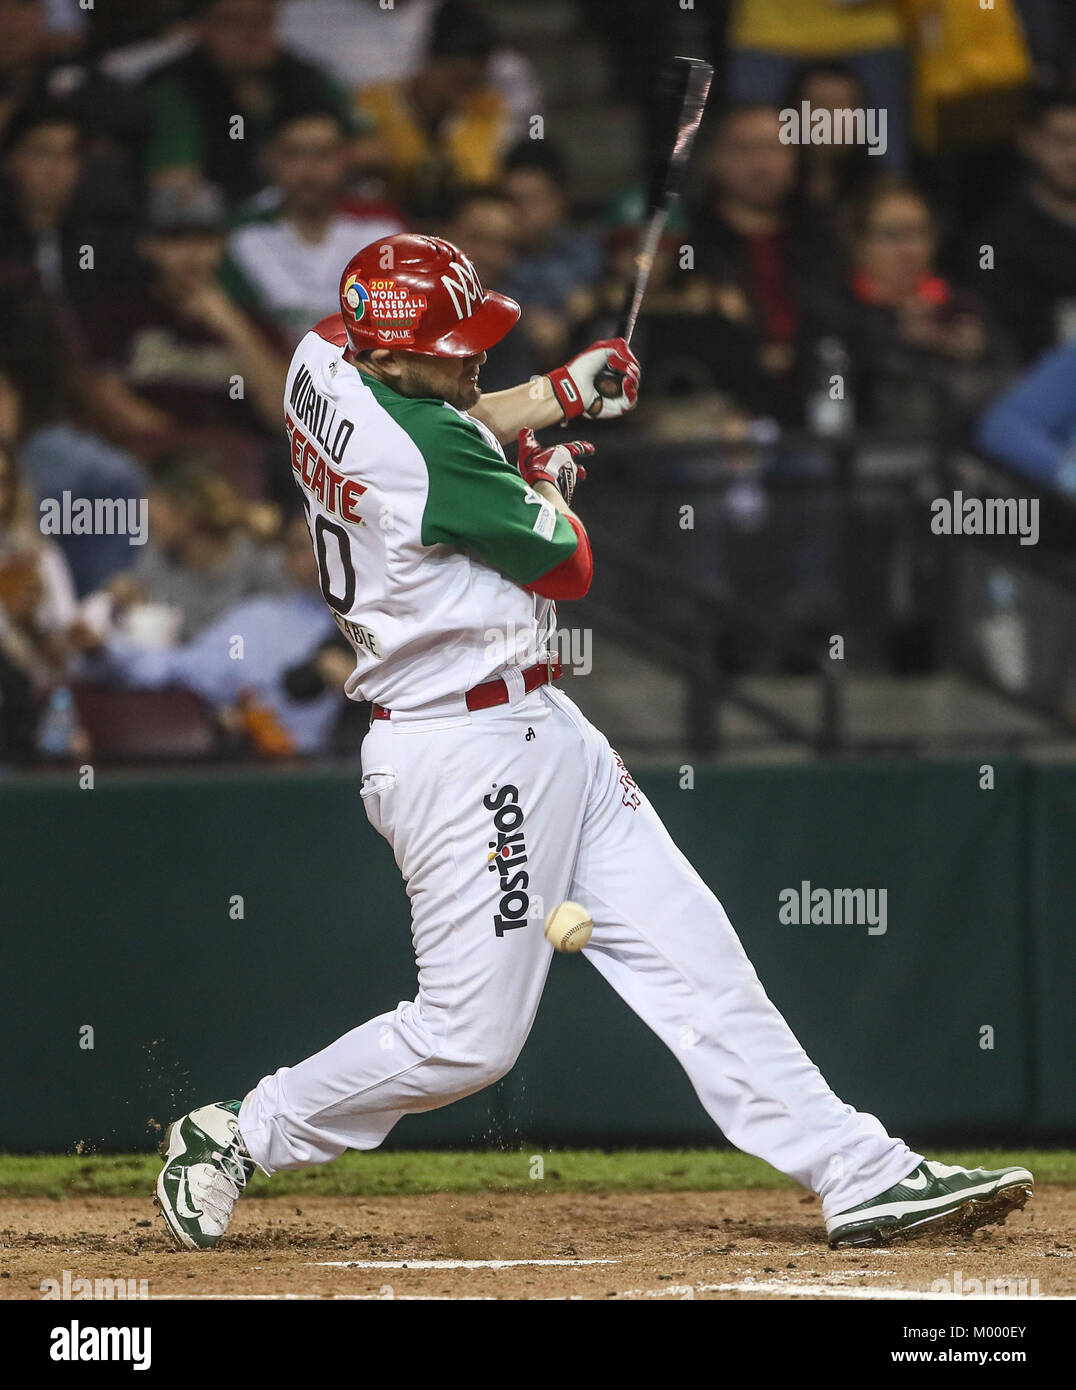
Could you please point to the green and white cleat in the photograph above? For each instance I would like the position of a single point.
(935, 1198)
(206, 1167)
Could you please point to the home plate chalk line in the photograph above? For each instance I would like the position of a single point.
(454, 1264)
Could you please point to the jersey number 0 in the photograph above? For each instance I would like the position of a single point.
(341, 543)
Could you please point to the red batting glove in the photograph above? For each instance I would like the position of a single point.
(576, 386)
(556, 465)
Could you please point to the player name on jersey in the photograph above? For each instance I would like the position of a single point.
(324, 435)
(319, 416)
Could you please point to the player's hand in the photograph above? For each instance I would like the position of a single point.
(557, 465)
(577, 387)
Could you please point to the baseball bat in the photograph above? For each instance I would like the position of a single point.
(684, 87)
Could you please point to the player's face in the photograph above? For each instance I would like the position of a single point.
(451, 379)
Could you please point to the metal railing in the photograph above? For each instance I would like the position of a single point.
(648, 592)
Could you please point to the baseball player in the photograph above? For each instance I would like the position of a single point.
(441, 563)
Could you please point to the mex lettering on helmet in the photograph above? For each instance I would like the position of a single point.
(507, 855)
(464, 287)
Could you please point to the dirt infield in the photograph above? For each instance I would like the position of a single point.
(724, 1245)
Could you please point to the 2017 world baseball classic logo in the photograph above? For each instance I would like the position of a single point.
(392, 309)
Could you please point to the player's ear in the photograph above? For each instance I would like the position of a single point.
(385, 360)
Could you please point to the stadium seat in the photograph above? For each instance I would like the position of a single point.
(139, 725)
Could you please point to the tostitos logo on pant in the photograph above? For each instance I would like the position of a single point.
(507, 853)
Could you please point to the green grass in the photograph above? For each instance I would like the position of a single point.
(386, 1173)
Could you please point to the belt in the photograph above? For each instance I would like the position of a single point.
(496, 692)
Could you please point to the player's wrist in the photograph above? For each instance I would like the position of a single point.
(566, 392)
(539, 475)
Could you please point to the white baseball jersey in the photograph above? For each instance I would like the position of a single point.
(425, 535)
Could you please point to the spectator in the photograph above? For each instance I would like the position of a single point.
(122, 29)
(111, 115)
(484, 226)
(42, 417)
(288, 259)
(44, 233)
(556, 260)
(19, 697)
(1030, 277)
(200, 558)
(278, 631)
(596, 308)
(136, 44)
(829, 174)
(1050, 27)
(19, 711)
(920, 355)
(37, 598)
(178, 352)
(236, 69)
(360, 42)
(1032, 426)
(753, 255)
(680, 337)
(772, 40)
(444, 127)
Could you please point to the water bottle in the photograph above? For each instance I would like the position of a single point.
(1003, 635)
(56, 731)
(830, 408)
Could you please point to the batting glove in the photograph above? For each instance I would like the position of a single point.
(556, 465)
(603, 380)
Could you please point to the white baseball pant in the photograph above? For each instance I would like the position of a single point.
(536, 785)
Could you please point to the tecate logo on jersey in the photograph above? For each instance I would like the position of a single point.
(506, 855)
(336, 493)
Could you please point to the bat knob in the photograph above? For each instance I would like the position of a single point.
(609, 383)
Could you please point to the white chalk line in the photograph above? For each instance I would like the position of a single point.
(319, 1298)
(455, 1264)
(790, 1290)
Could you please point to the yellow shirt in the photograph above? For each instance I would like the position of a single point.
(816, 28)
(470, 143)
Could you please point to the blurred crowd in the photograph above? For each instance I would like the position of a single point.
(182, 181)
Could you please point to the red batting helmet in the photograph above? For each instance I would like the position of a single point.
(421, 294)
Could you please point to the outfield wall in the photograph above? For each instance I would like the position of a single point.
(115, 907)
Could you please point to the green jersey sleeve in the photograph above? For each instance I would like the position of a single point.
(477, 501)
